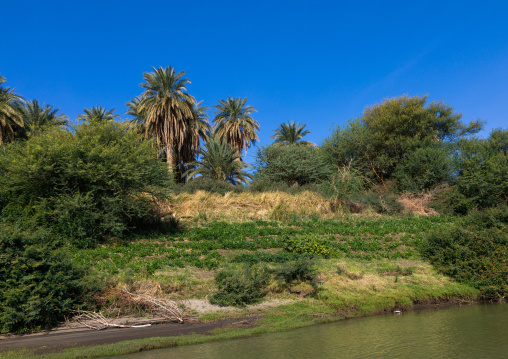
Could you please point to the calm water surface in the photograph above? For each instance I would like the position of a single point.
(479, 331)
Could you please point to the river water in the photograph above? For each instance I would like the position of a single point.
(477, 331)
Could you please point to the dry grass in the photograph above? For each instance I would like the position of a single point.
(418, 203)
(238, 207)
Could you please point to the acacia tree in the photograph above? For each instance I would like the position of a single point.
(164, 107)
(388, 132)
(10, 117)
(234, 124)
(291, 134)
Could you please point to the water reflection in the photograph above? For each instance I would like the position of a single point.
(479, 331)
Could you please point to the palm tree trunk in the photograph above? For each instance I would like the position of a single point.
(169, 159)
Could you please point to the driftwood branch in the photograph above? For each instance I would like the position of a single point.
(157, 307)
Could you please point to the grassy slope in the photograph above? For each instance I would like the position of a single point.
(374, 266)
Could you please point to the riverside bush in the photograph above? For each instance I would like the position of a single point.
(240, 287)
(39, 286)
(474, 251)
(101, 179)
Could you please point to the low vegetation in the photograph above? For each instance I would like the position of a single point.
(400, 206)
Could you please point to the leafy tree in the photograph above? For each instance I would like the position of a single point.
(10, 117)
(101, 179)
(481, 167)
(234, 124)
(97, 114)
(388, 132)
(36, 117)
(293, 165)
(165, 106)
(423, 169)
(291, 134)
(219, 161)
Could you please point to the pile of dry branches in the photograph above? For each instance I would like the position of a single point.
(159, 308)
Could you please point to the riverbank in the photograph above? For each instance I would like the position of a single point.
(312, 271)
(427, 288)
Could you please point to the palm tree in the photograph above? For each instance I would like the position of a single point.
(97, 114)
(291, 134)
(165, 107)
(234, 125)
(10, 117)
(36, 117)
(138, 122)
(219, 161)
(197, 129)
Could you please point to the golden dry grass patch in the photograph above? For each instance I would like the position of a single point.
(246, 206)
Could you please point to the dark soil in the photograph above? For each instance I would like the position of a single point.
(55, 341)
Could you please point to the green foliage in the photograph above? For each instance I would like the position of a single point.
(291, 164)
(240, 287)
(423, 169)
(378, 142)
(38, 283)
(291, 134)
(308, 244)
(474, 251)
(100, 180)
(300, 270)
(220, 162)
(482, 170)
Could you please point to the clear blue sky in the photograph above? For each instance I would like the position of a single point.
(315, 62)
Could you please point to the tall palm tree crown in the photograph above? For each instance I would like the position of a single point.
(233, 123)
(165, 106)
(219, 161)
(291, 134)
(97, 114)
(36, 116)
(10, 117)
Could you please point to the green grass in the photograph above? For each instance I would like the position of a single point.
(203, 247)
(369, 266)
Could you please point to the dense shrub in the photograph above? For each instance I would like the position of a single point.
(291, 164)
(300, 270)
(482, 170)
(474, 252)
(240, 287)
(99, 180)
(38, 283)
(423, 169)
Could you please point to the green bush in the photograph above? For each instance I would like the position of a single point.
(482, 170)
(300, 270)
(38, 284)
(474, 252)
(240, 287)
(291, 164)
(99, 180)
(423, 169)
